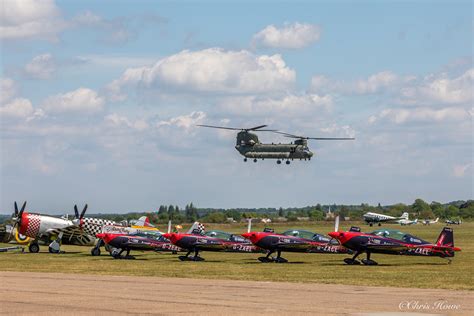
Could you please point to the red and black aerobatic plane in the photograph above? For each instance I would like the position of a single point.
(197, 239)
(120, 240)
(292, 241)
(394, 242)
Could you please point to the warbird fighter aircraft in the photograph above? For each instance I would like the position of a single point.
(293, 241)
(249, 146)
(376, 218)
(394, 242)
(196, 240)
(37, 226)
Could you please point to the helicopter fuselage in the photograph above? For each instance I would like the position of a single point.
(249, 146)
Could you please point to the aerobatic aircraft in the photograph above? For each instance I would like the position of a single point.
(121, 239)
(376, 218)
(292, 240)
(197, 240)
(394, 242)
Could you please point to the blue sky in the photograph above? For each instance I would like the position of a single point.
(100, 101)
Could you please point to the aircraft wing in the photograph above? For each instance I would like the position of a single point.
(72, 234)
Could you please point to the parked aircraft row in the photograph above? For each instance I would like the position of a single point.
(143, 236)
(376, 218)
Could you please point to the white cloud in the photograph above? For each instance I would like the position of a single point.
(290, 35)
(210, 70)
(30, 19)
(17, 108)
(41, 67)
(80, 100)
(423, 114)
(186, 122)
(459, 171)
(375, 83)
(290, 104)
(117, 120)
(8, 89)
(442, 89)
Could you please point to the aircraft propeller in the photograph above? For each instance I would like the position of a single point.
(255, 129)
(315, 138)
(78, 217)
(17, 218)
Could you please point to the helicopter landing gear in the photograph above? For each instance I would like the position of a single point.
(287, 162)
(245, 159)
(278, 161)
(255, 160)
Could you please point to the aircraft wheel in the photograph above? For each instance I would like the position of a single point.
(371, 224)
(380, 224)
(278, 161)
(351, 261)
(95, 251)
(287, 162)
(255, 160)
(245, 159)
(34, 248)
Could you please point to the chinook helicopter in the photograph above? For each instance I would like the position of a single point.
(249, 146)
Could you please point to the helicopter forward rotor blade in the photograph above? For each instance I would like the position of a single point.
(221, 127)
(256, 128)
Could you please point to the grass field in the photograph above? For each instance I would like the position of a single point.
(398, 271)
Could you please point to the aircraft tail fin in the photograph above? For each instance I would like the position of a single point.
(446, 238)
(143, 221)
(197, 228)
(436, 220)
(415, 221)
(404, 215)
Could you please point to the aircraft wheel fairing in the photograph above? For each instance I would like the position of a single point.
(53, 250)
(351, 261)
(369, 262)
(34, 248)
(265, 259)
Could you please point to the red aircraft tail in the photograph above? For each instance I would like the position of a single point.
(446, 238)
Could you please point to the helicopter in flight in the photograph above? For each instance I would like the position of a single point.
(249, 146)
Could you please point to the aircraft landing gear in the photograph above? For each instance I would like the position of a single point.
(369, 262)
(96, 250)
(353, 261)
(34, 247)
(187, 257)
(117, 254)
(267, 258)
(370, 224)
(380, 224)
(245, 159)
(287, 162)
(55, 246)
(255, 160)
(279, 259)
(278, 161)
